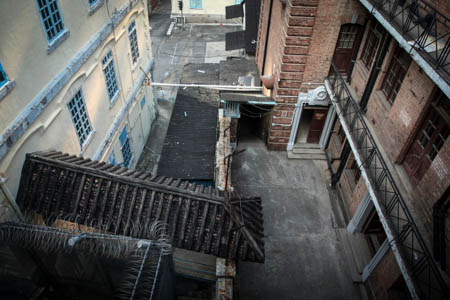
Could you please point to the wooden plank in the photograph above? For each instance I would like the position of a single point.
(103, 203)
(43, 186)
(212, 222)
(124, 199)
(201, 233)
(95, 201)
(34, 189)
(150, 207)
(133, 200)
(84, 204)
(62, 190)
(113, 204)
(137, 219)
(183, 224)
(79, 193)
(160, 206)
(176, 216)
(169, 207)
(191, 232)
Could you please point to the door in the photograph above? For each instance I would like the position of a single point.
(349, 36)
(428, 142)
(316, 126)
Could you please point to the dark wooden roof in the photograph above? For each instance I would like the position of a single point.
(125, 202)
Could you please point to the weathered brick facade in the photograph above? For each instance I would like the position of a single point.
(301, 43)
(302, 38)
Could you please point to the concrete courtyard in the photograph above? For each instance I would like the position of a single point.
(304, 257)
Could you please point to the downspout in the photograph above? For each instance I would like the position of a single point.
(375, 71)
(355, 53)
(267, 37)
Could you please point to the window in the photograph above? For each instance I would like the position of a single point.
(3, 78)
(237, 1)
(373, 41)
(80, 118)
(142, 102)
(110, 75)
(126, 150)
(92, 2)
(195, 3)
(132, 36)
(430, 139)
(112, 159)
(395, 74)
(51, 18)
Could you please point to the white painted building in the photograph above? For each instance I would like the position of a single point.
(204, 11)
(72, 79)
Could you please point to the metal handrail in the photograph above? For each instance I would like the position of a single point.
(424, 24)
(421, 267)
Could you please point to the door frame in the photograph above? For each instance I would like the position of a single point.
(315, 97)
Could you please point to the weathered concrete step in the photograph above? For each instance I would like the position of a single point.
(317, 156)
(306, 145)
(307, 151)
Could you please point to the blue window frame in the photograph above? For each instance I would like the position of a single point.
(195, 3)
(51, 18)
(3, 78)
(110, 75)
(92, 2)
(125, 147)
(142, 102)
(78, 112)
(112, 159)
(237, 1)
(132, 36)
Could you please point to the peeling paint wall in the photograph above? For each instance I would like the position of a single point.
(34, 114)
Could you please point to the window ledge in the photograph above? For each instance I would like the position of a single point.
(136, 64)
(95, 7)
(114, 99)
(7, 88)
(56, 42)
(88, 141)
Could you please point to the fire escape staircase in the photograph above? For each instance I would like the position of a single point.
(422, 31)
(415, 261)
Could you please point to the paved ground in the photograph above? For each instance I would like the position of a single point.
(196, 44)
(304, 259)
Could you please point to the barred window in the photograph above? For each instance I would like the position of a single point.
(372, 42)
(395, 74)
(78, 112)
(132, 36)
(3, 78)
(110, 75)
(125, 147)
(93, 2)
(51, 18)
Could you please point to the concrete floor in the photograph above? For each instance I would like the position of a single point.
(304, 259)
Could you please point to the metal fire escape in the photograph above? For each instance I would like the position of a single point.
(422, 31)
(421, 275)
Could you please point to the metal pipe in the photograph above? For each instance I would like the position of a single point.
(211, 86)
(267, 38)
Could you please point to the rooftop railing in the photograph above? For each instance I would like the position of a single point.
(421, 274)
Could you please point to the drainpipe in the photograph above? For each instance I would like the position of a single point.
(355, 54)
(267, 37)
(375, 71)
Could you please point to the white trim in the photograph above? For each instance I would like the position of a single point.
(371, 189)
(328, 127)
(368, 269)
(361, 214)
(312, 97)
(429, 69)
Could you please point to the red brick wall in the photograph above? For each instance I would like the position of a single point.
(384, 276)
(302, 39)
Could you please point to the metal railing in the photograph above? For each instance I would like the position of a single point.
(423, 24)
(426, 279)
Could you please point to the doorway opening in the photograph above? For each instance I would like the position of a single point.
(254, 122)
(374, 232)
(311, 125)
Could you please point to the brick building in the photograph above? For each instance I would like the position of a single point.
(368, 81)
